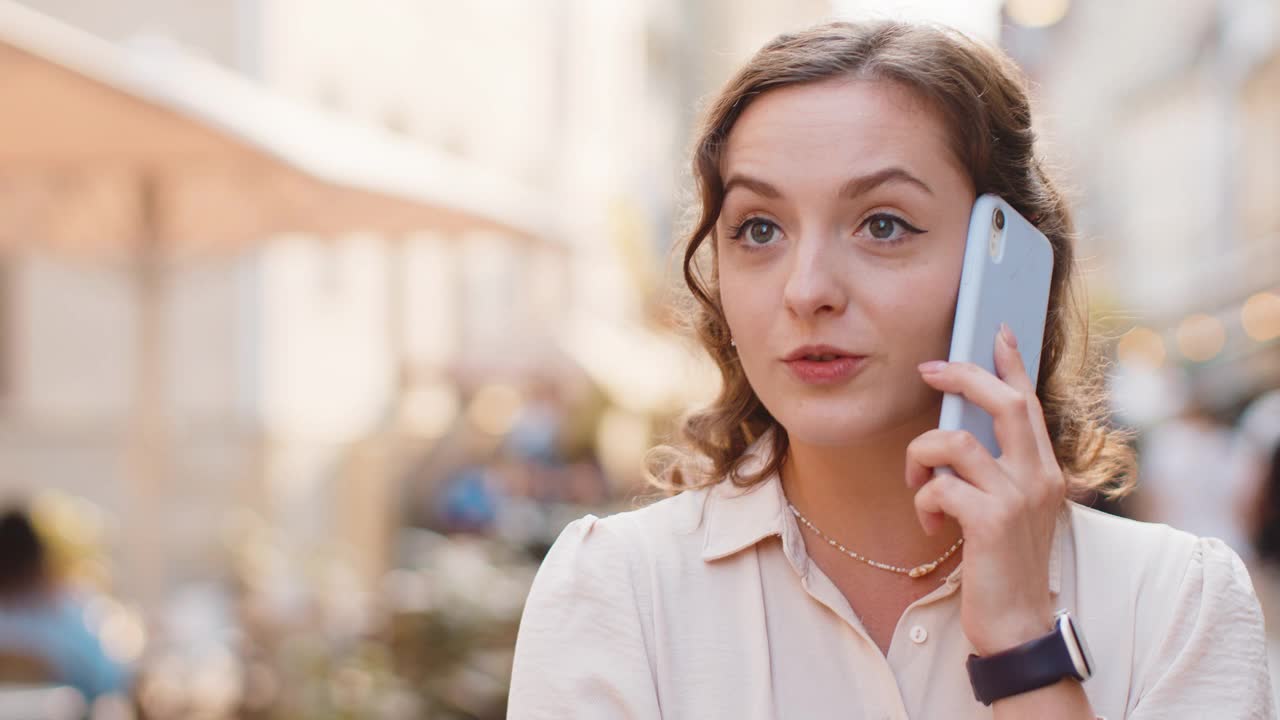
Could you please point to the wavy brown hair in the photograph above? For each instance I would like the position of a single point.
(982, 99)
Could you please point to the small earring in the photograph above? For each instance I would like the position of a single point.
(732, 343)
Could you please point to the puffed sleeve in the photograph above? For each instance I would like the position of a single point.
(1212, 660)
(581, 650)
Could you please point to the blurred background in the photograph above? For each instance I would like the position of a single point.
(319, 319)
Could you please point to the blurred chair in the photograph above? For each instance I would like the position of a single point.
(17, 668)
(29, 690)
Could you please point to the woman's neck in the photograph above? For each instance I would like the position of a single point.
(858, 496)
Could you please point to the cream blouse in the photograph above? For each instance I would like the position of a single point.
(705, 605)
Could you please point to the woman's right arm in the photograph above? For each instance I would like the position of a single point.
(581, 651)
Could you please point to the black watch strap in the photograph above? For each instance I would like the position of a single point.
(1035, 664)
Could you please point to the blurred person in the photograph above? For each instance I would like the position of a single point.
(454, 486)
(1259, 427)
(535, 431)
(1257, 434)
(1264, 530)
(587, 483)
(469, 499)
(808, 562)
(1191, 477)
(46, 622)
(534, 442)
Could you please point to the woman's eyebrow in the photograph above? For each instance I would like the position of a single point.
(864, 184)
(854, 187)
(759, 187)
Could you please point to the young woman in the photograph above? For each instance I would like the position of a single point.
(810, 565)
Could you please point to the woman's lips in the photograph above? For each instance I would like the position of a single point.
(826, 372)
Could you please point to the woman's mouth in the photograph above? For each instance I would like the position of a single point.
(823, 366)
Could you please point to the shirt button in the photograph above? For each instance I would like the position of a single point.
(919, 634)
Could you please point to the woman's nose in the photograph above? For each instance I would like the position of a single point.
(814, 285)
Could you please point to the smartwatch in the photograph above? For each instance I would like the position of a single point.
(1031, 665)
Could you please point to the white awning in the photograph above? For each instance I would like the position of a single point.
(81, 117)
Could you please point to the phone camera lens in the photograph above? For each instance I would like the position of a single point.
(999, 219)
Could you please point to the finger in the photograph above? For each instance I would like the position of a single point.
(1008, 407)
(1009, 364)
(949, 495)
(1012, 369)
(959, 450)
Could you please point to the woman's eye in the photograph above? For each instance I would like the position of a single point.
(889, 229)
(761, 232)
(881, 227)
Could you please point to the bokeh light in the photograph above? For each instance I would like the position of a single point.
(1260, 316)
(1037, 13)
(430, 411)
(1201, 337)
(494, 408)
(123, 635)
(1142, 346)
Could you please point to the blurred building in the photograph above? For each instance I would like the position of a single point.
(172, 352)
(1165, 125)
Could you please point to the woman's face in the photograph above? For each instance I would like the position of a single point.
(843, 226)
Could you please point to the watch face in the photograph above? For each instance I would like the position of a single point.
(1076, 646)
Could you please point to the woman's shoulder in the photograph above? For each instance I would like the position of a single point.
(1124, 541)
(624, 557)
(1121, 537)
(649, 526)
(594, 594)
(1162, 574)
(679, 513)
(603, 567)
(1146, 556)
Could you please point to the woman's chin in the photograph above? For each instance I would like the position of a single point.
(828, 431)
(852, 425)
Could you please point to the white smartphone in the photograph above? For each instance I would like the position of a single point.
(1008, 265)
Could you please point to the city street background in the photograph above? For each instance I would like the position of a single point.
(319, 319)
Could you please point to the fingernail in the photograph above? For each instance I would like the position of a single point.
(932, 366)
(1008, 335)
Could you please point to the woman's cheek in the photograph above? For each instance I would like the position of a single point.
(920, 330)
(931, 298)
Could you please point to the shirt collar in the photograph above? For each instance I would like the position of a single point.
(736, 519)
